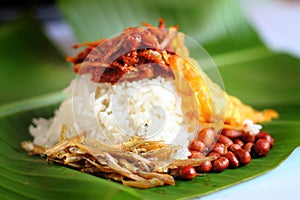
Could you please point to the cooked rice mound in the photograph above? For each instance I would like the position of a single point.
(114, 113)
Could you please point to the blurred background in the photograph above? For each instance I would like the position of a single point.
(30, 62)
(35, 37)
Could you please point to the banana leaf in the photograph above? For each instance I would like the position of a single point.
(30, 64)
(249, 70)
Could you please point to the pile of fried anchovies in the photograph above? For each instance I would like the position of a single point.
(136, 163)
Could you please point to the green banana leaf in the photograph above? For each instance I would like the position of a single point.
(30, 64)
(249, 70)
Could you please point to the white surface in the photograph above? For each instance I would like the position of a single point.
(278, 24)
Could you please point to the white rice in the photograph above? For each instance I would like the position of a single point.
(250, 126)
(112, 114)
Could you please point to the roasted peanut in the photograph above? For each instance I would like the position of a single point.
(248, 137)
(248, 146)
(225, 140)
(220, 164)
(231, 133)
(219, 148)
(233, 161)
(234, 147)
(261, 147)
(239, 142)
(196, 154)
(197, 145)
(187, 173)
(264, 135)
(207, 136)
(243, 156)
(204, 167)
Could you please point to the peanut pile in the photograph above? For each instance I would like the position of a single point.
(233, 148)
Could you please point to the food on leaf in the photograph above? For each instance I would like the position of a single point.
(142, 112)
